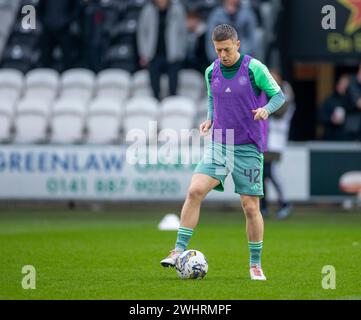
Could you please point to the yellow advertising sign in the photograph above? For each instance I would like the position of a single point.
(350, 40)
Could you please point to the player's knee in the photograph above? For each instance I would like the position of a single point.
(250, 208)
(195, 193)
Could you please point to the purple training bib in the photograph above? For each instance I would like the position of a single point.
(234, 99)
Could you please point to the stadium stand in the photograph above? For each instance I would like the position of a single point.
(95, 107)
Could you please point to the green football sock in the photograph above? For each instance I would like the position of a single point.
(255, 251)
(184, 235)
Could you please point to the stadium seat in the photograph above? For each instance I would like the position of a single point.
(67, 123)
(11, 83)
(103, 122)
(42, 84)
(141, 84)
(191, 84)
(7, 106)
(142, 104)
(113, 83)
(31, 121)
(38, 105)
(178, 113)
(7, 111)
(179, 105)
(77, 83)
(139, 111)
(5, 127)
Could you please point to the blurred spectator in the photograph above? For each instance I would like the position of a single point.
(56, 17)
(278, 130)
(92, 23)
(196, 57)
(241, 17)
(333, 111)
(353, 116)
(162, 41)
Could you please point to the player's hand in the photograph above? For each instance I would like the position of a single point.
(204, 127)
(260, 114)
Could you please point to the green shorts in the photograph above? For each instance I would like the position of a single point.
(244, 162)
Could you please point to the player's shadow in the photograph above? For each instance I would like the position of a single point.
(209, 279)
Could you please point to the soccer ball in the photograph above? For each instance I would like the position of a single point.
(191, 264)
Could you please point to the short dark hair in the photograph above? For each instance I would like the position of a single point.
(224, 32)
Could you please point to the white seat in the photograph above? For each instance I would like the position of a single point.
(139, 113)
(178, 113)
(7, 111)
(143, 124)
(105, 105)
(191, 84)
(42, 77)
(67, 123)
(42, 83)
(34, 105)
(178, 105)
(7, 106)
(44, 94)
(70, 105)
(78, 77)
(177, 123)
(5, 127)
(77, 83)
(141, 84)
(77, 93)
(143, 92)
(138, 105)
(31, 121)
(11, 83)
(103, 121)
(114, 83)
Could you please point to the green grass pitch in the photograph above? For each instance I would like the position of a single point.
(115, 255)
